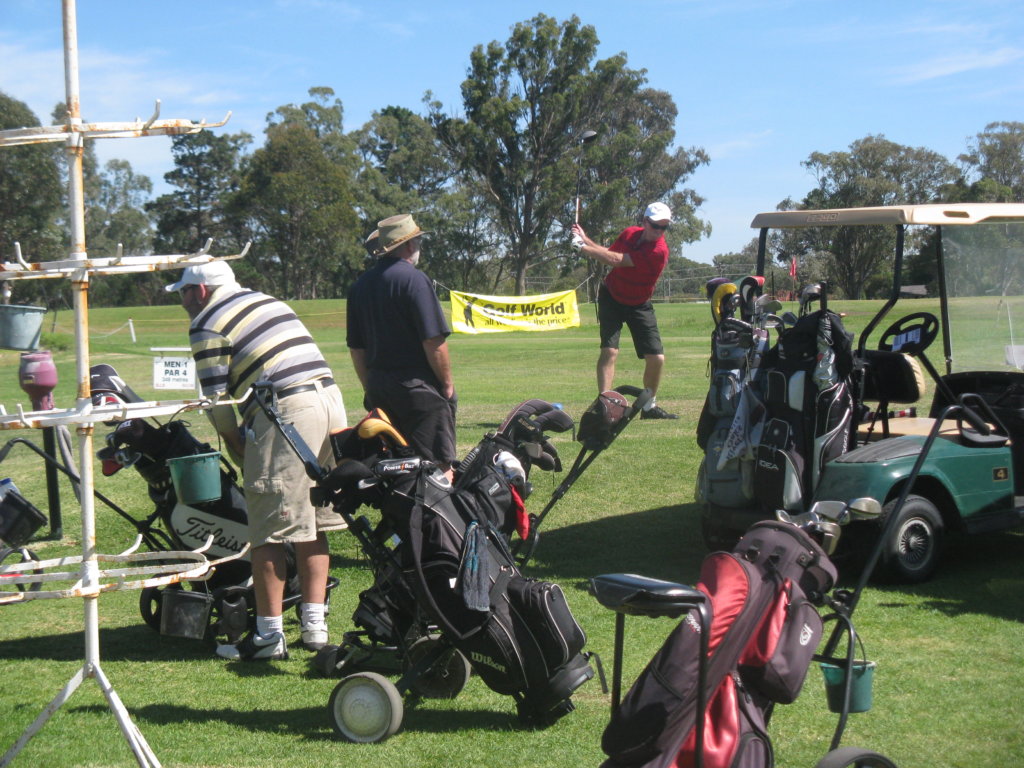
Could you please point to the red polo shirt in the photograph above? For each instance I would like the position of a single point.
(635, 285)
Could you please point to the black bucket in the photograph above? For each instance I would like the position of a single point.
(185, 613)
(18, 520)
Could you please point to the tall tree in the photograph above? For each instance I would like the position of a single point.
(30, 199)
(996, 157)
(527, 104)
(296, 200)
(206, 174)
(406, 168)
(115, 216)
(875, 171)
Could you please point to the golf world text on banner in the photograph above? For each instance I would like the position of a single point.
(472, 313)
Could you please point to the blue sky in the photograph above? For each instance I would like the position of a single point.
(759, 84)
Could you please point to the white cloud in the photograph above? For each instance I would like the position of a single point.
(968, 61)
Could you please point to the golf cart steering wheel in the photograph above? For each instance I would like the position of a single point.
(911, 335)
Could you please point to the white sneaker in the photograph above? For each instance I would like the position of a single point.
(253, 647)
(314, 636)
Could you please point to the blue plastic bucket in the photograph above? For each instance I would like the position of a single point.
(196, 478)
(21, 326)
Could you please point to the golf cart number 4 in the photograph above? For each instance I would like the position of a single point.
(1000, 474)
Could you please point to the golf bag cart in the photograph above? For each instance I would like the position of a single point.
(227, 597)
(970, 446)
(447, 597)
(749, 632)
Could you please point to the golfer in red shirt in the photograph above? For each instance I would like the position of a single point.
(637, 259)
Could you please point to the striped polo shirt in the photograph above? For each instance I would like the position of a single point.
(245, 336)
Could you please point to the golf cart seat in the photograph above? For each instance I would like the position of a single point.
(892, 377)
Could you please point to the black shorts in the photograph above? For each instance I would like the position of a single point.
(424, 417)
(643, 325)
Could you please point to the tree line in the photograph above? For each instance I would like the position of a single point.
(496, 181)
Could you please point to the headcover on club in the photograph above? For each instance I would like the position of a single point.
(370, 428)
(599, 423)
(372, 438)
(103, 380)
(531, 417)
(346, 475)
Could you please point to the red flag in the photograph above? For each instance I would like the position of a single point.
(792, 267)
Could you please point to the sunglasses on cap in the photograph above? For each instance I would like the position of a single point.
(661, 227)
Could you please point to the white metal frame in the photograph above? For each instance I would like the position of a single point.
(90, 580)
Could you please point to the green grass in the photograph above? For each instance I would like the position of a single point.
(950, 652)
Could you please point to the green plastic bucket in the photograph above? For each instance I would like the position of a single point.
(196, 478)
(184, 613)
(860, 688)
(21, 326)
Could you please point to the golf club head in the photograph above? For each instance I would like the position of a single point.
(766, 305)
(800, 520)
(827, 534)
(835, 511)
(788, 319)
(864, 508)
(808, 295)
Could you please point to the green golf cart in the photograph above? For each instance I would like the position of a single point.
(959, 469)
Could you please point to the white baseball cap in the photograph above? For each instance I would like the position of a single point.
(214, 273)
(658, 212)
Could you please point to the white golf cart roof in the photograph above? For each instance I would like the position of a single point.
(934, 214)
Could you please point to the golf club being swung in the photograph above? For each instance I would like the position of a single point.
(585, 137)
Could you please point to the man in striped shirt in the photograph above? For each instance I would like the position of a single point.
(239, 337)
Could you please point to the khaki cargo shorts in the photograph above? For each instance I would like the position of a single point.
(275, 482)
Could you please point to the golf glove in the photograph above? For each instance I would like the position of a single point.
(577, 243)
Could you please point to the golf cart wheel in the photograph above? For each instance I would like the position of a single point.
(446, 678)
(854, 757)
(911, 551)
(365, 708)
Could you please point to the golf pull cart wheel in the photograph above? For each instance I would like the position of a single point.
(446, 677)
(854, 757)
(911, 551)
(151, 604)
(366, 708)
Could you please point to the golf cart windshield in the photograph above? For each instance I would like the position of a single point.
(984, 271)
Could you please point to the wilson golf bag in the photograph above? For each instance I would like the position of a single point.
(764, 631)
(518, 634)
(442, 564)
(809, 409)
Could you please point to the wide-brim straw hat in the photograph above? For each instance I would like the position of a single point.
(395, 230)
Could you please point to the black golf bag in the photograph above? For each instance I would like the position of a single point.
(809, 410)
(518, 634)
(764, 631)
(443, 567)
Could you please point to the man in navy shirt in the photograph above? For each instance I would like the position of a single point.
(397, 337)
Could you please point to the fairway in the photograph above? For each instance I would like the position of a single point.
(950, 652)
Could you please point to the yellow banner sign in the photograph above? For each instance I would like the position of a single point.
(472, 313)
